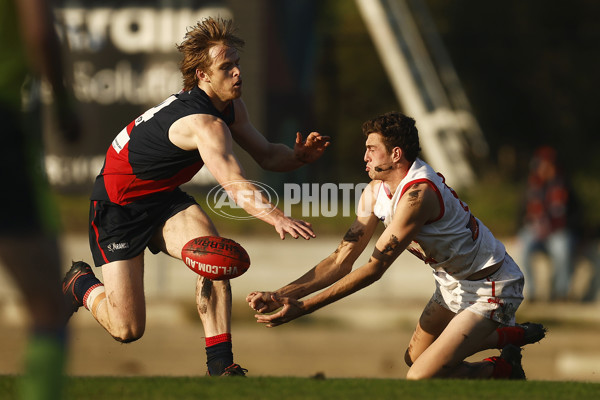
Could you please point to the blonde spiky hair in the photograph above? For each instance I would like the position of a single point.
(197, 43)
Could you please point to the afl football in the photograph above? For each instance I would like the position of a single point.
(215, 257)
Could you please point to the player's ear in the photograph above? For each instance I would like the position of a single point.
(396, 154)
(202, 76)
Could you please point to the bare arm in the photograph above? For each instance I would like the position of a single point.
(416, 207)
(337, 265)
(275, 156)
(212, 138)
(328, 271)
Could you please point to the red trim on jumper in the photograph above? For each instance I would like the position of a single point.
(85, 297)
(222, 338)
(386, 190)
(123, 186)
(97, 235)
(408, 185)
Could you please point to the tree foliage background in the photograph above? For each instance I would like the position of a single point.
(530, 70)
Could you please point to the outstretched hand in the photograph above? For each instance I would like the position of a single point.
(295, 227)
(312, 148)
(262, 302)
(291, 310)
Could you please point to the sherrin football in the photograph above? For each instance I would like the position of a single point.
(215, 257)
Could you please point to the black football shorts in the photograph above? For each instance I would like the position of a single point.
(123, 232)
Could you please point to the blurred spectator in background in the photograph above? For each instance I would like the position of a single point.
(550, 223)
(29, 50)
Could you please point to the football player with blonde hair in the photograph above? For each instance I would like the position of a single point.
(137, 202)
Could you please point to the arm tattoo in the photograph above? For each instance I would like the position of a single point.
(352, 236)
(389, 252)
(391, 246)
(414, 197)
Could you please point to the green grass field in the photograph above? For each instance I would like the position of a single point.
(166, 388)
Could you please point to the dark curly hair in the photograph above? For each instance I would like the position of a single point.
(197, 43)
(398, 130)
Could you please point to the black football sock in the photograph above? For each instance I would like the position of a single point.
(218, 355)
(83, 284)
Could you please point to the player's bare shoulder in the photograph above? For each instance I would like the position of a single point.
(190, 130)
(422, 195)
(415, 193)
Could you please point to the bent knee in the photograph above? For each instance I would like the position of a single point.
(128, 334)
(419, 371)
(415, 375)
(127, 338)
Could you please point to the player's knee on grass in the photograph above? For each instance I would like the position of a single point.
(415, 374)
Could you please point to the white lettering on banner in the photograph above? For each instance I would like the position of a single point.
(123, 84)
(64, 171)
(122, 33)
(130, 29)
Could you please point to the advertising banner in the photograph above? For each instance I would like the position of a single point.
(124, 60)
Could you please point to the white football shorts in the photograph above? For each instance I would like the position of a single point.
(495, 297)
